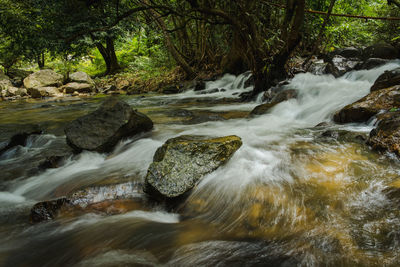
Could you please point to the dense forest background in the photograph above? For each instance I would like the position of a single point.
(186, 38)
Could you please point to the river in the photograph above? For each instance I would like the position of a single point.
(289, 196)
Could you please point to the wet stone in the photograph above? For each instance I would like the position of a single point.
(370, 105)
(386, 136)
(182, 161)
(108, 198)
(102, 129)
(47, 210)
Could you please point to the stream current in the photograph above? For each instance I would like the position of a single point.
(288, 196)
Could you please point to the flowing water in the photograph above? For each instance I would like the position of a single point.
(288, 197)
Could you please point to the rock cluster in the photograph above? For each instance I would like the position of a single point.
(383, 102)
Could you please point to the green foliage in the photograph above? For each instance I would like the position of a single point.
(343, 31)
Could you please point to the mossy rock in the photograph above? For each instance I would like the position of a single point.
(181, 162)
(386, 137)
(369, 106)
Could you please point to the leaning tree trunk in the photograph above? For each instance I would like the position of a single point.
(171, 47)
(109, 56)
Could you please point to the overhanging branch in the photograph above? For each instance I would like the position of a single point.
(337, 15)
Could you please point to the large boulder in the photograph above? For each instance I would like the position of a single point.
(81, 77)
(181, 162)
(387, 79)
(386, 137)
(381, 50)
(40, 92)
(370, 105)
(43, 78)
(70, 88)
(102, 129)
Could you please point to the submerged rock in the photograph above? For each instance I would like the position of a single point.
(182, 161)
(20, 137)
(203, 117)
(371, 63)
(200, 85)
(387, 79)
(344, 136)
(386, 137)
(262, 109)
(369, 106)
(43, 78)
(109, 198)
(46, 210)
(278, 98)
(102, 129)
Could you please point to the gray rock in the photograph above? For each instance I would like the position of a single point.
(381, 50)
(182, 161)
(43, 78)
(70, 88)
(43, 92)
(102, 129)
(5, 83)
(81, 77)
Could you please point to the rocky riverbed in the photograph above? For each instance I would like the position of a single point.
(201, 181)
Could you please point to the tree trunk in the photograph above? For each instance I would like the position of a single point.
(265, 77)
(109, 56)
(41, 60)
(171, 47)
(235, 62)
